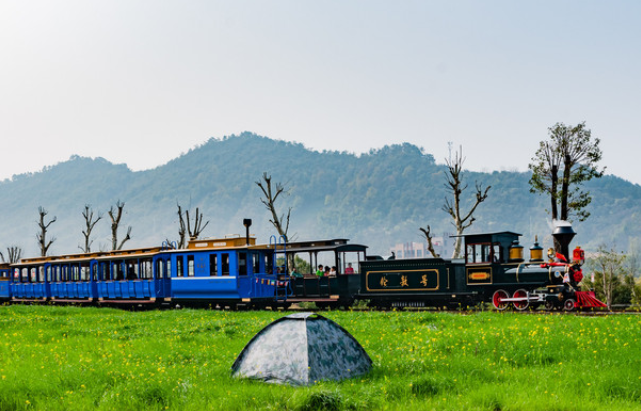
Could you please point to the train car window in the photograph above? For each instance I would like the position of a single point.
(132, 269)
(168, 270)
(485, 253)
(94, 272)
(32, 275)
(64, 273)
(224, 260)
(48, 273)
(118, 271)
(179, 266)
(41, 274)
(191, 269)
(242, 263)
(146, 269)
(269, 263)
(256, 263)
(160, 268)
(84, 272)
(213, 264)
(105, 271)
(496, 254)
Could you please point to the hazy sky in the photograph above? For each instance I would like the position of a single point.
(139, 82)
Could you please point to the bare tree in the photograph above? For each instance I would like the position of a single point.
(14, 253)
(455, 185)
(428, 236)
(44, 227)
(185, 226)
(270, 196)
(115, 216)
(88, 214)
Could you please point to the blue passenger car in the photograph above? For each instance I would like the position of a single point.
(227, 271)
(5, 272)
(224, 272)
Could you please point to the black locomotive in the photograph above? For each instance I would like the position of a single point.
(493, 270)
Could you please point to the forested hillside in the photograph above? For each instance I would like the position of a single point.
(380, 198)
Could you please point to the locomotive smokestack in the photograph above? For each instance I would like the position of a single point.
(247, 222)
(563, 235)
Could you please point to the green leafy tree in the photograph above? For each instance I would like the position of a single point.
(613, 282)
(561, 164)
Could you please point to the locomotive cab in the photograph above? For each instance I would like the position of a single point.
(492, 248)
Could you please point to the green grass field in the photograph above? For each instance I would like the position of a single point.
(66, 358)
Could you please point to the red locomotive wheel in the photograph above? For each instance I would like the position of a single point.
(497, 300)
(521, 305)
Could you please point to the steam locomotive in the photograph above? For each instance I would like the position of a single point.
(493, 270)
(236, 272)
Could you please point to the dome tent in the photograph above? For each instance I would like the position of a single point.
(301, 349)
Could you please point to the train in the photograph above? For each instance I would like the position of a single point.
(235, 272)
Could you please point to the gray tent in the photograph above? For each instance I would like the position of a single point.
(301, 349)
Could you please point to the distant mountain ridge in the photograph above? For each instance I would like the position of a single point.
(380, 198)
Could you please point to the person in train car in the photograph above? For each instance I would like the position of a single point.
(319, 272)
(296, 274)
(349, 269)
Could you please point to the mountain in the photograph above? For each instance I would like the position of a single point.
(380, 198)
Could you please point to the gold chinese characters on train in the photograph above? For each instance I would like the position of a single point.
(402, 280)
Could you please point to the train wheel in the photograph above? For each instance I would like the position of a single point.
(520, 305)
(569, 304)
(497, 300)
(549, 306)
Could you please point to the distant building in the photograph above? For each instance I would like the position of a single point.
(444, 247)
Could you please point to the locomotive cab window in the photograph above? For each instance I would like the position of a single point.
(484, 253)
(478, 253)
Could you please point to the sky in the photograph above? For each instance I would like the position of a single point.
(140, 82)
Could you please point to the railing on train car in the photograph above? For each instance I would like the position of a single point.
(283, 280)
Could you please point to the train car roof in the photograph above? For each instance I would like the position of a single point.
(337, 244)
(488, 237)
(80, 257)
(235, 241)
(193, 245)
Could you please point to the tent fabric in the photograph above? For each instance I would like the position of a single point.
(301, 349)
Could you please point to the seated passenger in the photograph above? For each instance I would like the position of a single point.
(326, 273)
(131, 275)
(332, 272)
(349, 269)
(319, 272)
(296, 274)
